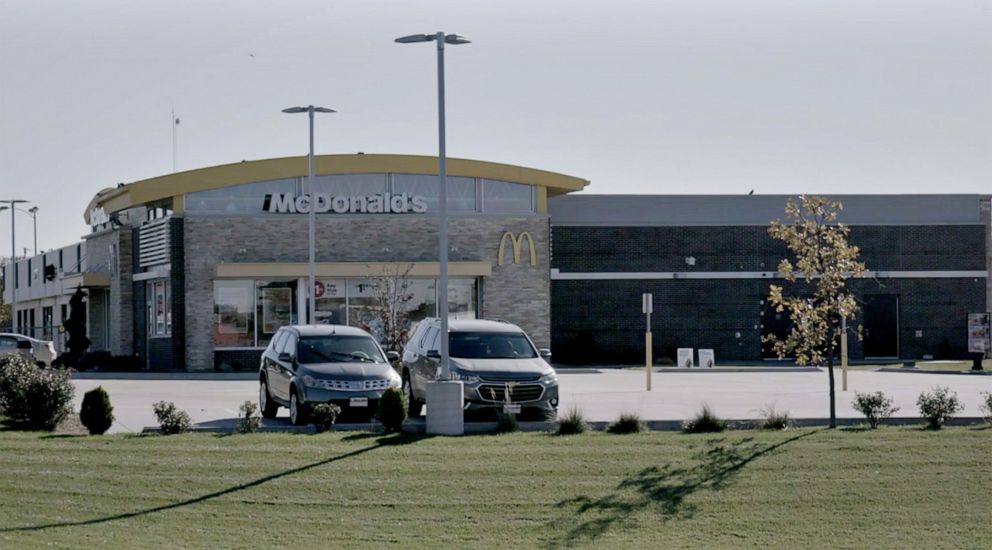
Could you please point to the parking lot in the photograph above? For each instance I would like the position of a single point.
(601, 394)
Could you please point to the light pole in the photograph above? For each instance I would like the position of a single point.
(13, 263)
(311, 303)
(441, 39)
(34, 217)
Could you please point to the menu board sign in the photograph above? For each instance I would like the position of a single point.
(979, 333)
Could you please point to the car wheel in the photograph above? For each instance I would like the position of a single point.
(268, 407)
(414, 407)
(297, 410)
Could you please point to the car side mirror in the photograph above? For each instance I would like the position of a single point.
(23, 344)
(285, 357)
(392, 356)
(434, 354)
(545, 353)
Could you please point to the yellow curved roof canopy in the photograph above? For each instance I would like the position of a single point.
(176, 185)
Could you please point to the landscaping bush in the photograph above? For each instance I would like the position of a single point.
(986, 406)
(628, 423)
(392, 409)
(572, 423)
(772, 419)
(324, 415)
(96, 413)
(248, 418)
(875, 406)
(938, 406)
(705, 421)
(171, 419)
(506, 423)
(40, 398)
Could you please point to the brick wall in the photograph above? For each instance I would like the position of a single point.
(517, 293)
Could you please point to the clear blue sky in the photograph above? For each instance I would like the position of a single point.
(693, 96)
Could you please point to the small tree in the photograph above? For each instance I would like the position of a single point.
(96, 413)
(825, 261)
(386, 318)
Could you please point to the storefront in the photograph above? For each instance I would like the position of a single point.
(206, 265)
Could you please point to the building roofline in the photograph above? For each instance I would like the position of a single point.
(115, 199)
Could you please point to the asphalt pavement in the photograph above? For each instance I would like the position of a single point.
(601, 394)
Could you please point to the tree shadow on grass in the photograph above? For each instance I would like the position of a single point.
(399, 439)
(665, 489)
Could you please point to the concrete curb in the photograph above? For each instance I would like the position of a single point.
(913, 370)
(418, 426)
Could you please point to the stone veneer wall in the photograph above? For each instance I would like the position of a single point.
(98, 258)
(986, 211)
(519, 293)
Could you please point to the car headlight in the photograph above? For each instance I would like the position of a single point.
(550, 378)
(394, 380)
(463, 376)
(310, 381)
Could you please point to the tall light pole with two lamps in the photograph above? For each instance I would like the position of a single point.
(311, 219)
(12, 272)
(446, 400)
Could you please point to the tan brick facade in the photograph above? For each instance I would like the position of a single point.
(517, 292)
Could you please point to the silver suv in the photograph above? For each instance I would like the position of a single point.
(305, 365)
(495, 360)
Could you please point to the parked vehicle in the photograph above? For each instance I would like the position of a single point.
(41, 351)
(309, 364)
(495, 360)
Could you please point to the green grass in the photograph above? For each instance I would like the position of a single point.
(894, 487)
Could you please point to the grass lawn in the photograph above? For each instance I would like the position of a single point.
(895, 487)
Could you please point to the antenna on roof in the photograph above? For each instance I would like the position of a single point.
(175, 139)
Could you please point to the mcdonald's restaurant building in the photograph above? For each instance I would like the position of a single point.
(202, 267)
(197, 270)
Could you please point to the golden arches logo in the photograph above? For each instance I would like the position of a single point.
(515, 242)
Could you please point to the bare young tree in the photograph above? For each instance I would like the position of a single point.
(824, 261)
(386, 318)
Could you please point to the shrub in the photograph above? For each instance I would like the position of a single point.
(572, 423)
(104, 361)
(41, 398)
(772, 419)
(628, 423)
(507, 423)
(705, 421)
(986, 406)
(171, 419)
(96, 413)
(875, 406)
(392, 409)
(939, 406)
(248, 418)
(324, 415)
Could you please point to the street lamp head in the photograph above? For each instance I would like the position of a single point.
(295, 110)
(307, 109)
(323, 110)
(456, 39)
(416, 38)
(33, 210)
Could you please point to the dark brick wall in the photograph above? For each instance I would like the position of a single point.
(160, 354)
(177, 279)
(240, 360)
(139, 303)
(749, 248)
(600, 322)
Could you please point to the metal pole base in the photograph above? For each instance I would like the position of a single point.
(445, 408)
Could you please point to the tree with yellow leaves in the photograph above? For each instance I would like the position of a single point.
(823, 262)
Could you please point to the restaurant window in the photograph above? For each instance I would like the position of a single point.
(507, 197)
(234, 313)
(274, 308)
(331, 307)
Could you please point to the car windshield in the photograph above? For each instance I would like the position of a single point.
(332, 348)
(490, 345)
